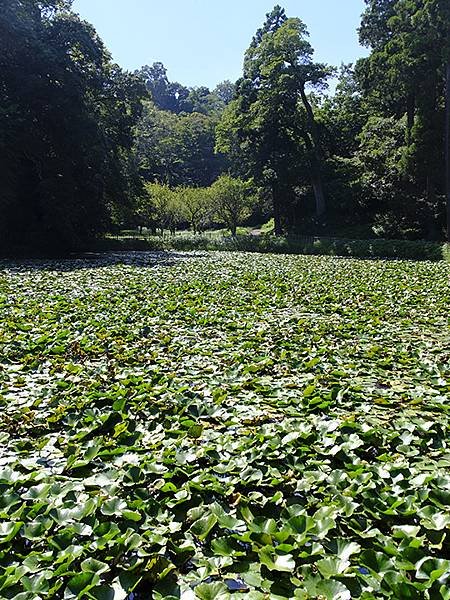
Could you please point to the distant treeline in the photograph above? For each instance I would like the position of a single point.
(82, 142)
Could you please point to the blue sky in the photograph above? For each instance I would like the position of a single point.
(202, 42)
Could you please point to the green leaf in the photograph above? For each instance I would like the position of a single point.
(276, 562)
(91, 565)
(9, 530)
(433, 569)
(333, 590)
(82, 583)
(332, 566)
(212, 591)
(202, 527)
(114, 506)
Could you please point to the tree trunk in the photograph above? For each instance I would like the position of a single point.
(316, 157)
(319, 196)
(316, 179)
(410, 115)
(447, 148)
(278, 228)
(431, 190)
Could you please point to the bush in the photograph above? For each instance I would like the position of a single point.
(382, 249)
(446, 252)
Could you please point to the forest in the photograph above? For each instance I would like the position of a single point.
(88, 148)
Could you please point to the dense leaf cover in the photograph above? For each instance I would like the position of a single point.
(197, 426)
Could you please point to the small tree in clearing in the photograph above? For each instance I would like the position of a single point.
(164, 206)
(232, 201)
(195, 204)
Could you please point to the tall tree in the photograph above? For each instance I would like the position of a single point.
(405, 74)
(270, 126)
(166, 95)
(65, 126)
(225, 91)
(445, 16)
(177, 98)
(447, 146)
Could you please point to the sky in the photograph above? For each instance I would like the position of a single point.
(202, 42)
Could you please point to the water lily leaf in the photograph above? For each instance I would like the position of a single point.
(433, 569)
(276, 562)
(212, 591)
(108, 592)
(211, 425)
(333, 590)
(342, 548)
(90, 565)
(82, 583)
(225, 547)
(8, 531)
(202, 527)
(376, 562)
(114, 506)
(332, 566)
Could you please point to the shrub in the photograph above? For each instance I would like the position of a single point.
(446, 252)
(381, 249)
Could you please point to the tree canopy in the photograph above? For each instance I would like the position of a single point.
(271, 125)
(80, 138)
(66, 127)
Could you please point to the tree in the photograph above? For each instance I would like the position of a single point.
(177, 98)
(66, 126)
(166, 95)
(447, 146)
(343, 115)
(177, 149)
(196, 206)
(160, 207)
(201, 100)
(270, 127)
(225, 91)
(232, 201)
(445, 17)
(405, 74)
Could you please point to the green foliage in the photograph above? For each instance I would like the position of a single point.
(160, 207)
(386, 192)
(166, 208)
(178, 425)
(263, 130)
(175, 139)
(225, 91)
(268, 227)
(228, 201)
(232, 201)
(196, 205)
(446, 252)
(374, 248)
(403, 78)
(342, 116)
(66, 127)
(177, 98)
(166, 95)
(79, 136)
(177, 149)
(373, 152)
